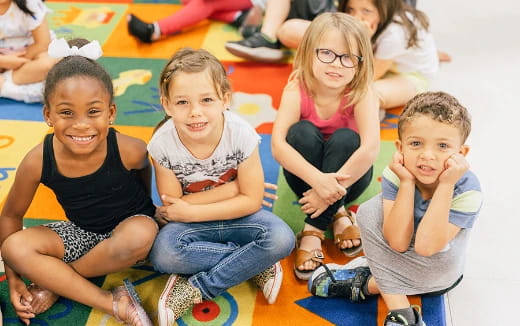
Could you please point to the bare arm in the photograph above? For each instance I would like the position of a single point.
(366, 115)
(381, 67)
(135, 157)
(18, 200)
(247, 201)
(42, 39)
(398, 222)
(168, 184)
(12, 61)
(435, 231)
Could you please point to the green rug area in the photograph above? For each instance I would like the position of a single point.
(136, 89)
(287, 207)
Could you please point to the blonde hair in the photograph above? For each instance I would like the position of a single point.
(354, 34)
(192, 61)
(439, 106)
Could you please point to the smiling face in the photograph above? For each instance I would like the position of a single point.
(426, 145)
(195, 106)
(80, 111)
(333, 75)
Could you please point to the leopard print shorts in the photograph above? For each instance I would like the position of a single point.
(76, 241)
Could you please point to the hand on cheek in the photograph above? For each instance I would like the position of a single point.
(454, 168)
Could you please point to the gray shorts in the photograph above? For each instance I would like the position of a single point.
(77, 241)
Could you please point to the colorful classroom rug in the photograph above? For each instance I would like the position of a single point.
(257, 88)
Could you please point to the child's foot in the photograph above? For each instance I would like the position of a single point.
(346, 233)
(308, 253)
(176, 299)
(257, 47)
(138, 28)
(42, 299)
(270, 281)
(408, 316)
(443, 56)
(127, 308)
(348, 281)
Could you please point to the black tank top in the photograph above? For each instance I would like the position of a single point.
(97, 202)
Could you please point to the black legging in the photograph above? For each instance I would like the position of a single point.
(328, 156)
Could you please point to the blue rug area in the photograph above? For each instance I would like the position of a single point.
(14, 110)
(340, 311)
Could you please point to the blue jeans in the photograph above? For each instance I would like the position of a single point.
(221, 254)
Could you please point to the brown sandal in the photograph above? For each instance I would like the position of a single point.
(304, 255)
(134, 314)
(351, 232)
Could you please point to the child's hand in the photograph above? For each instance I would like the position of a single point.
(21, 299)
(455, 167)
(268, 195)
(175, 210)
(312, 203)
(397, 166)
(13, 61)
(329, 188)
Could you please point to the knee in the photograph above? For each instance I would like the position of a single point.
(165, 254)
(304, 135)
(281, 240)
(345, 140)
(15, 247)
(138, 247)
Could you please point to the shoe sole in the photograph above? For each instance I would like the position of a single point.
(166, 316)
(262, 54)
(143, 316)
(354, 263)
(274, 289)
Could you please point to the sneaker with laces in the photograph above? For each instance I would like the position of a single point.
(333, 280)
(257, 48)
(138, 28)
(394, 318)
(270, 281)
(176, 299)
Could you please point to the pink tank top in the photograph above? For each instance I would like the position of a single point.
(343, 118)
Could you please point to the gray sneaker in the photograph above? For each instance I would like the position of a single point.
(395, 319)
(257, 48)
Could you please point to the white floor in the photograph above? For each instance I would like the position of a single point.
(483, 39)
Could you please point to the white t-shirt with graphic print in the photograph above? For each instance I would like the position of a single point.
(238, 141)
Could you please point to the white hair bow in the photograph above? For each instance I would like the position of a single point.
(59, 48)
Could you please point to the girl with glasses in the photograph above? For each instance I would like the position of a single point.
(326, 133)
(405, 55)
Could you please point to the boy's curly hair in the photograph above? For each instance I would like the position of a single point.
(439, 106)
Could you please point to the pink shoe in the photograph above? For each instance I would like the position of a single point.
(134, 314)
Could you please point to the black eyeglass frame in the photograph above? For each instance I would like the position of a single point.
(340, 56)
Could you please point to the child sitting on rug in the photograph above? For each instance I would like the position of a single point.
(210, 178)
(102, 180)
(416, 233)
(405, 55)
(326, 133)
(24, 39)
(235, 12)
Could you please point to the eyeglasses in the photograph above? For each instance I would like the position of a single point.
(329, 56)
